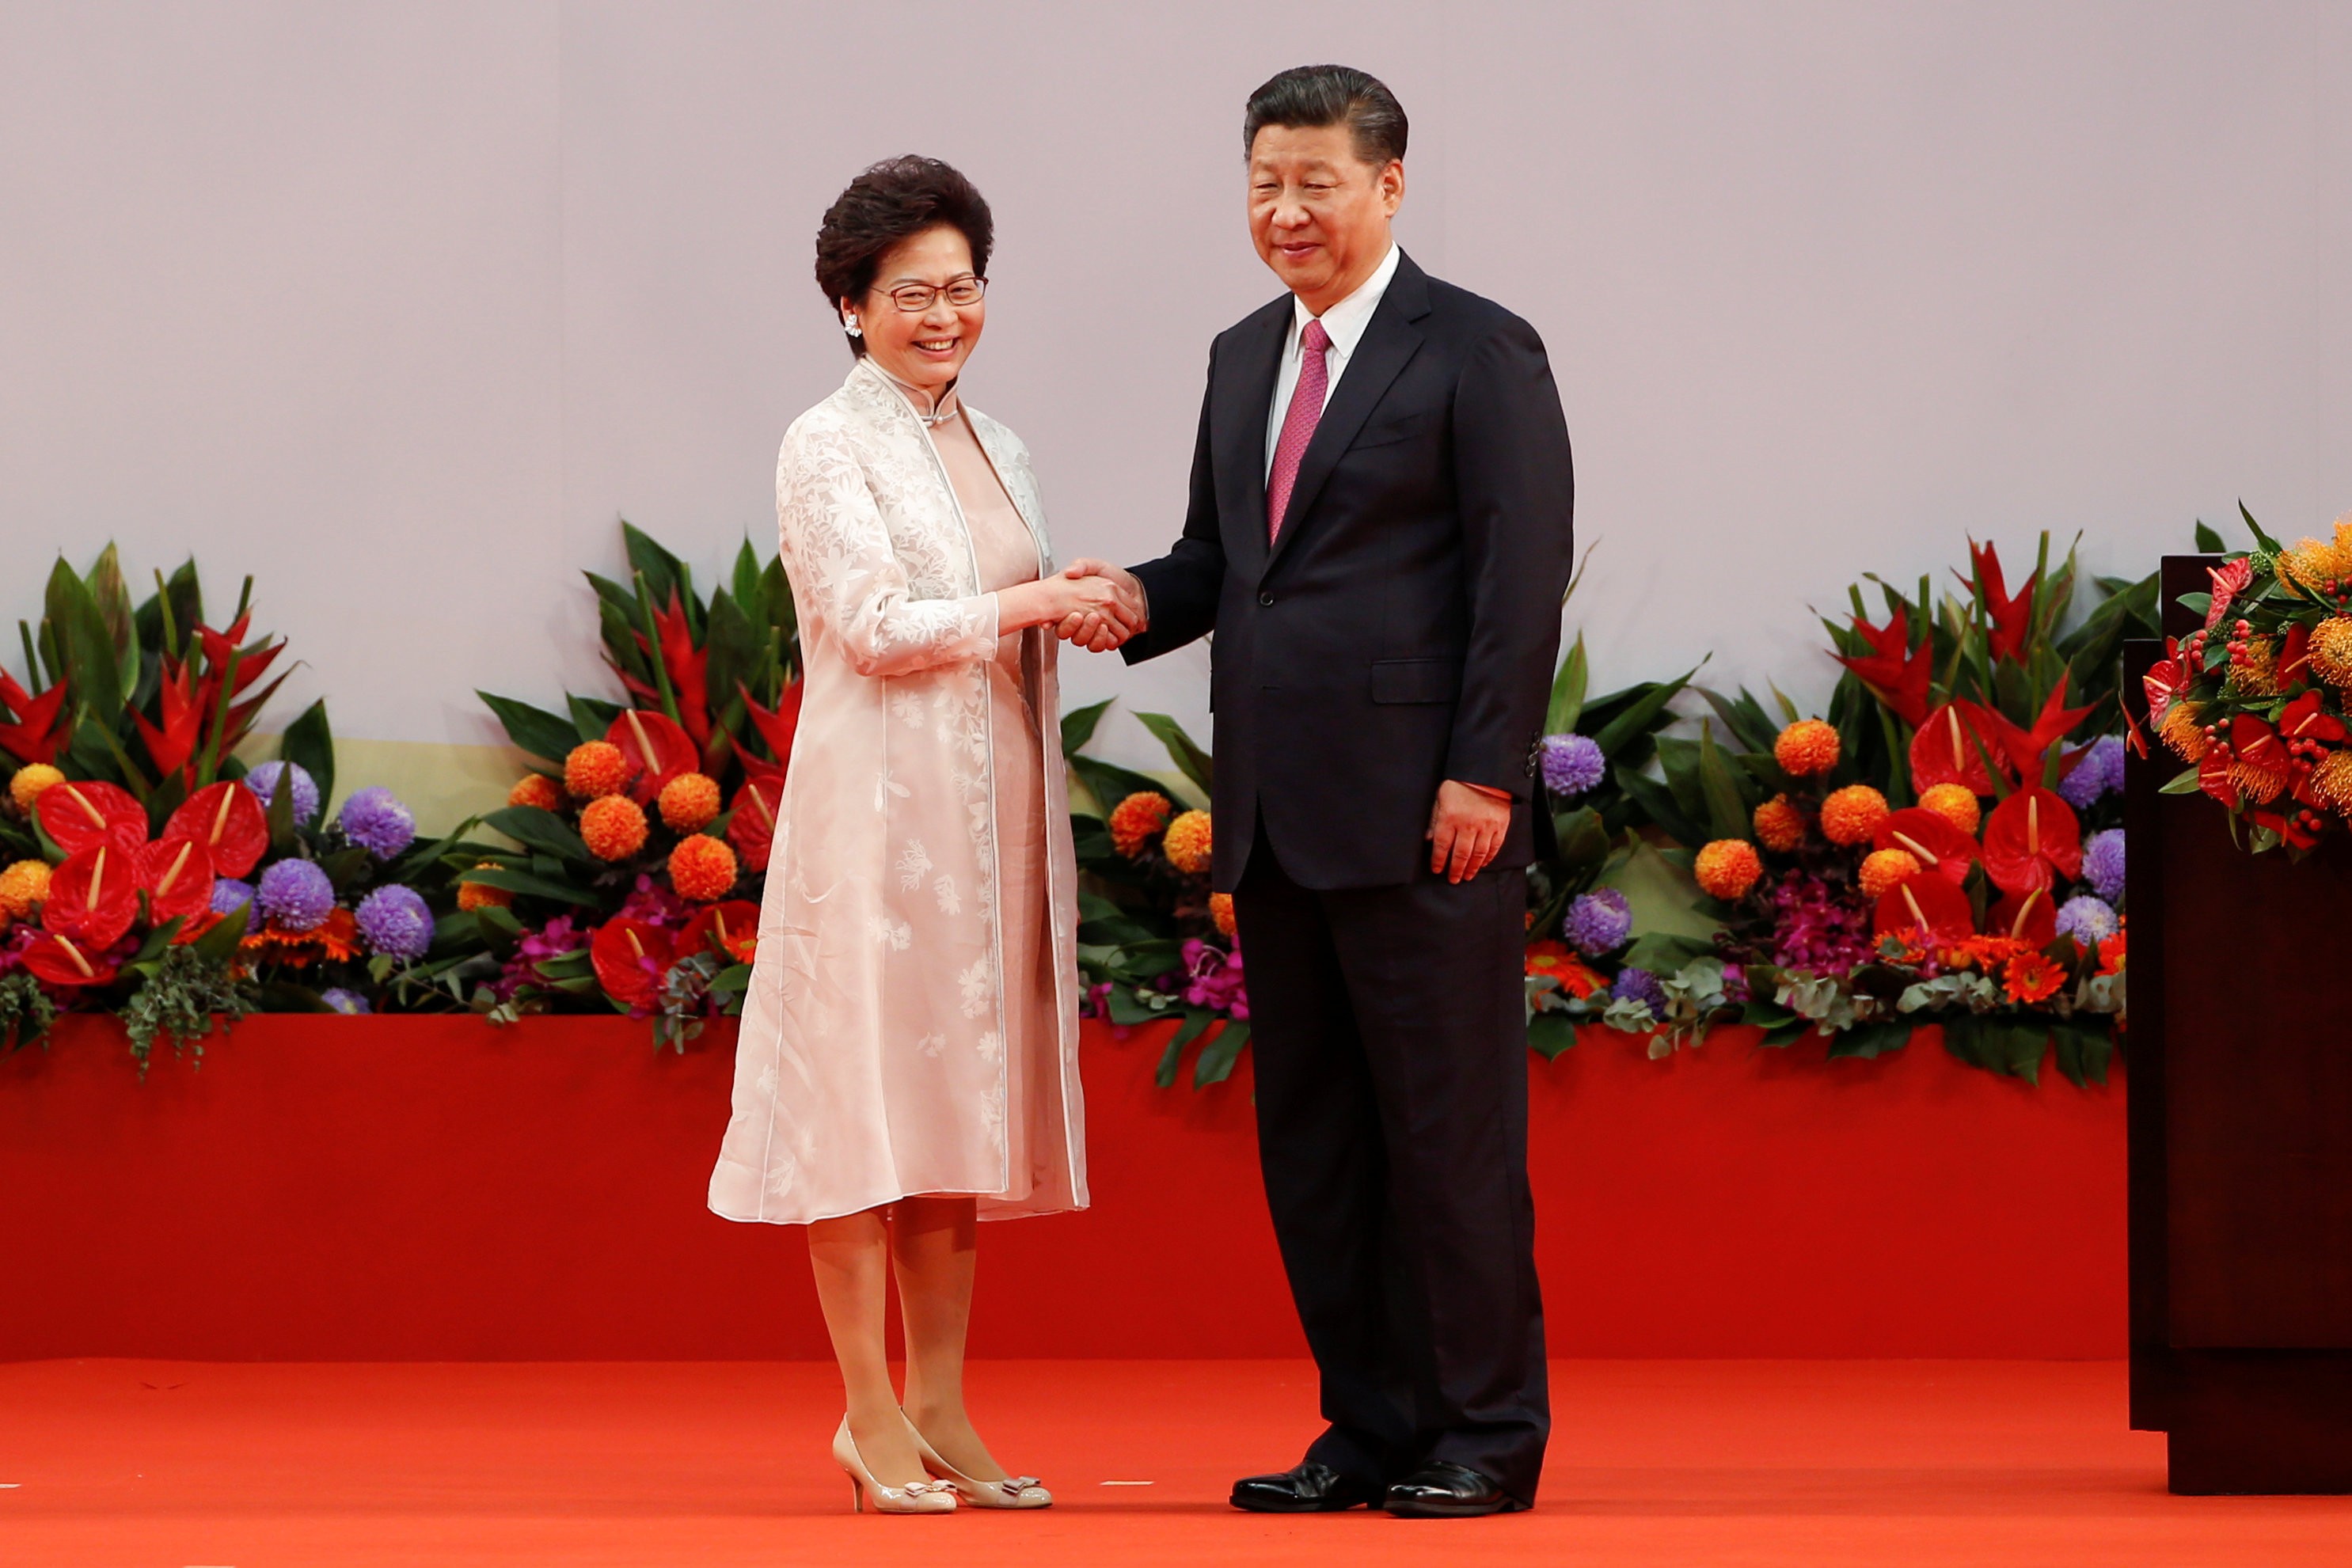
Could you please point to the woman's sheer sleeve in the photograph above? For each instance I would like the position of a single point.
(832, 531)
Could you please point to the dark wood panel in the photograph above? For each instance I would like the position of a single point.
(2260, 1422)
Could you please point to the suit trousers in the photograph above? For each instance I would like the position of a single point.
(1389, 1038)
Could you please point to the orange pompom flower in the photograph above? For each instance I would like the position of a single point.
(596, 769)
(537, 789)
(1220, 913)
(473, 896)
(702, 868)
(1851, 814)
(1136, 820)
(1882, 870)
(1728, 868)
(29, 781)
(613, 827)
(1955, 804)
(1779, 824)
(22, 887)
(2031, 978)
(1186, 844)
(1805, 748)
(688, 801)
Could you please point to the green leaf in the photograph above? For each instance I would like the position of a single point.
(593, 716)
(2181, 783)
(1109, 783)
(310, 745)
(1215, 1062)
(1189, 759)
(1727, 806)
(1568, 689)
(1548, 1034)
(1078, 724)
(538, 829)
(2208, 541)
(1871, 1040)
(1636, 718)
(525, 882)
(2261, 539)
(1658, 801)
(279, 816)
(112, 601)
(345, 866)
(218, 944)
(536, 730)
(92, 671)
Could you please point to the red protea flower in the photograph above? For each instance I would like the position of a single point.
(227, 820)
(2030, 840)
(83, 813)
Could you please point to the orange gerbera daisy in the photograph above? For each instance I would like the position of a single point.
(1559, 961)
(335, 939)
(2031, 978)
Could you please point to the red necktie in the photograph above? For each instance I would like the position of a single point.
(1297, 424)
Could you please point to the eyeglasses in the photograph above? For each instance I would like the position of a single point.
(914, 298)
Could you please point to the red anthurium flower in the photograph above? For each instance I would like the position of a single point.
(2024, 748)
(657, 746)
(2163, 678)
(2213, 778)
(173, 742)
(1929, 905)
(83, 811)
(38, 731)
(2256, 743)
(62, 961)
(630, 959)
(1934, 842)
(730, 929)
(2230, 579)
(93, 896)
(2295, 829)
(227, 820)
(2030, 917)
(752, 827)
(178, 876)
(2008, 614)
(2294, 655)
(2031, 839)
(2306, 718)
(1896, 673)
(1944, 750)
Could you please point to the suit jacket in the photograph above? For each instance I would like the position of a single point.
(1403, 627)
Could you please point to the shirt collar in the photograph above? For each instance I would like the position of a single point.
(1346, 320)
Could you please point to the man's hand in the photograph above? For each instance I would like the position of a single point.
(1465, 830)
(1096, 632)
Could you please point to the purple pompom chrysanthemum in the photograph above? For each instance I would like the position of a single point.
(1637, 985)
(2102, 864)
(1571, 763)
(1598, 922)
(394, 922)
(344, 1001)
(2086, 919)
(296, 895)
(263, 781)
(374, 820)
(2100, 770)
(234, 899)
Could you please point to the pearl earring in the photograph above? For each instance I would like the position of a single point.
(849, 325)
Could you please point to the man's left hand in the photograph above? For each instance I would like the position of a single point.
(1466, 828)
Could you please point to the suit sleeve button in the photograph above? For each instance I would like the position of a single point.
(1265, 599)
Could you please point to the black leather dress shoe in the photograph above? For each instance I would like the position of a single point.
(1310, 1489)
(1443, 1489)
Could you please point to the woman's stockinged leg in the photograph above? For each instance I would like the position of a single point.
(851, 1258)
(932, 1242)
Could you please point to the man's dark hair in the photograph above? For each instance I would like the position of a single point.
(1309, 96)
(896, 199)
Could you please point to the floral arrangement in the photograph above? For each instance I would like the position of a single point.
(2255, 700)
(148, 871)
(1944, 847)
(639, 852)
(1153, 941)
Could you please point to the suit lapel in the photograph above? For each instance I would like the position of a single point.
(1243, 403)
(1390, 340)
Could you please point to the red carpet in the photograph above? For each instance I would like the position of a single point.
(1925, 1464)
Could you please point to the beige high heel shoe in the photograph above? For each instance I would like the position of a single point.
(1014, 1491)
(915, 1496)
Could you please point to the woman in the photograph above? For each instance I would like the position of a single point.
(907, 1059)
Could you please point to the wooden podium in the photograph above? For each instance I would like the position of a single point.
(2240, 1054)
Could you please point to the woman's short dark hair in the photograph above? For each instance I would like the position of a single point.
(893, 201)
(1308, 96)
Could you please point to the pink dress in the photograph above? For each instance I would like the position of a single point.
(911, 1022)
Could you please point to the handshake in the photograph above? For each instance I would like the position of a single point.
(1091, 605)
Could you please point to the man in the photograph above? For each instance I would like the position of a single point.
(1379, 534)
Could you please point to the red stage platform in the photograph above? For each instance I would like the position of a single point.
(433, 1189)
(1689, 1464)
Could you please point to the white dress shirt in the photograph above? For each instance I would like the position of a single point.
(1345, 322)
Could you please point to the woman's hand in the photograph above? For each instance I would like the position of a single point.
(1071, 592)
